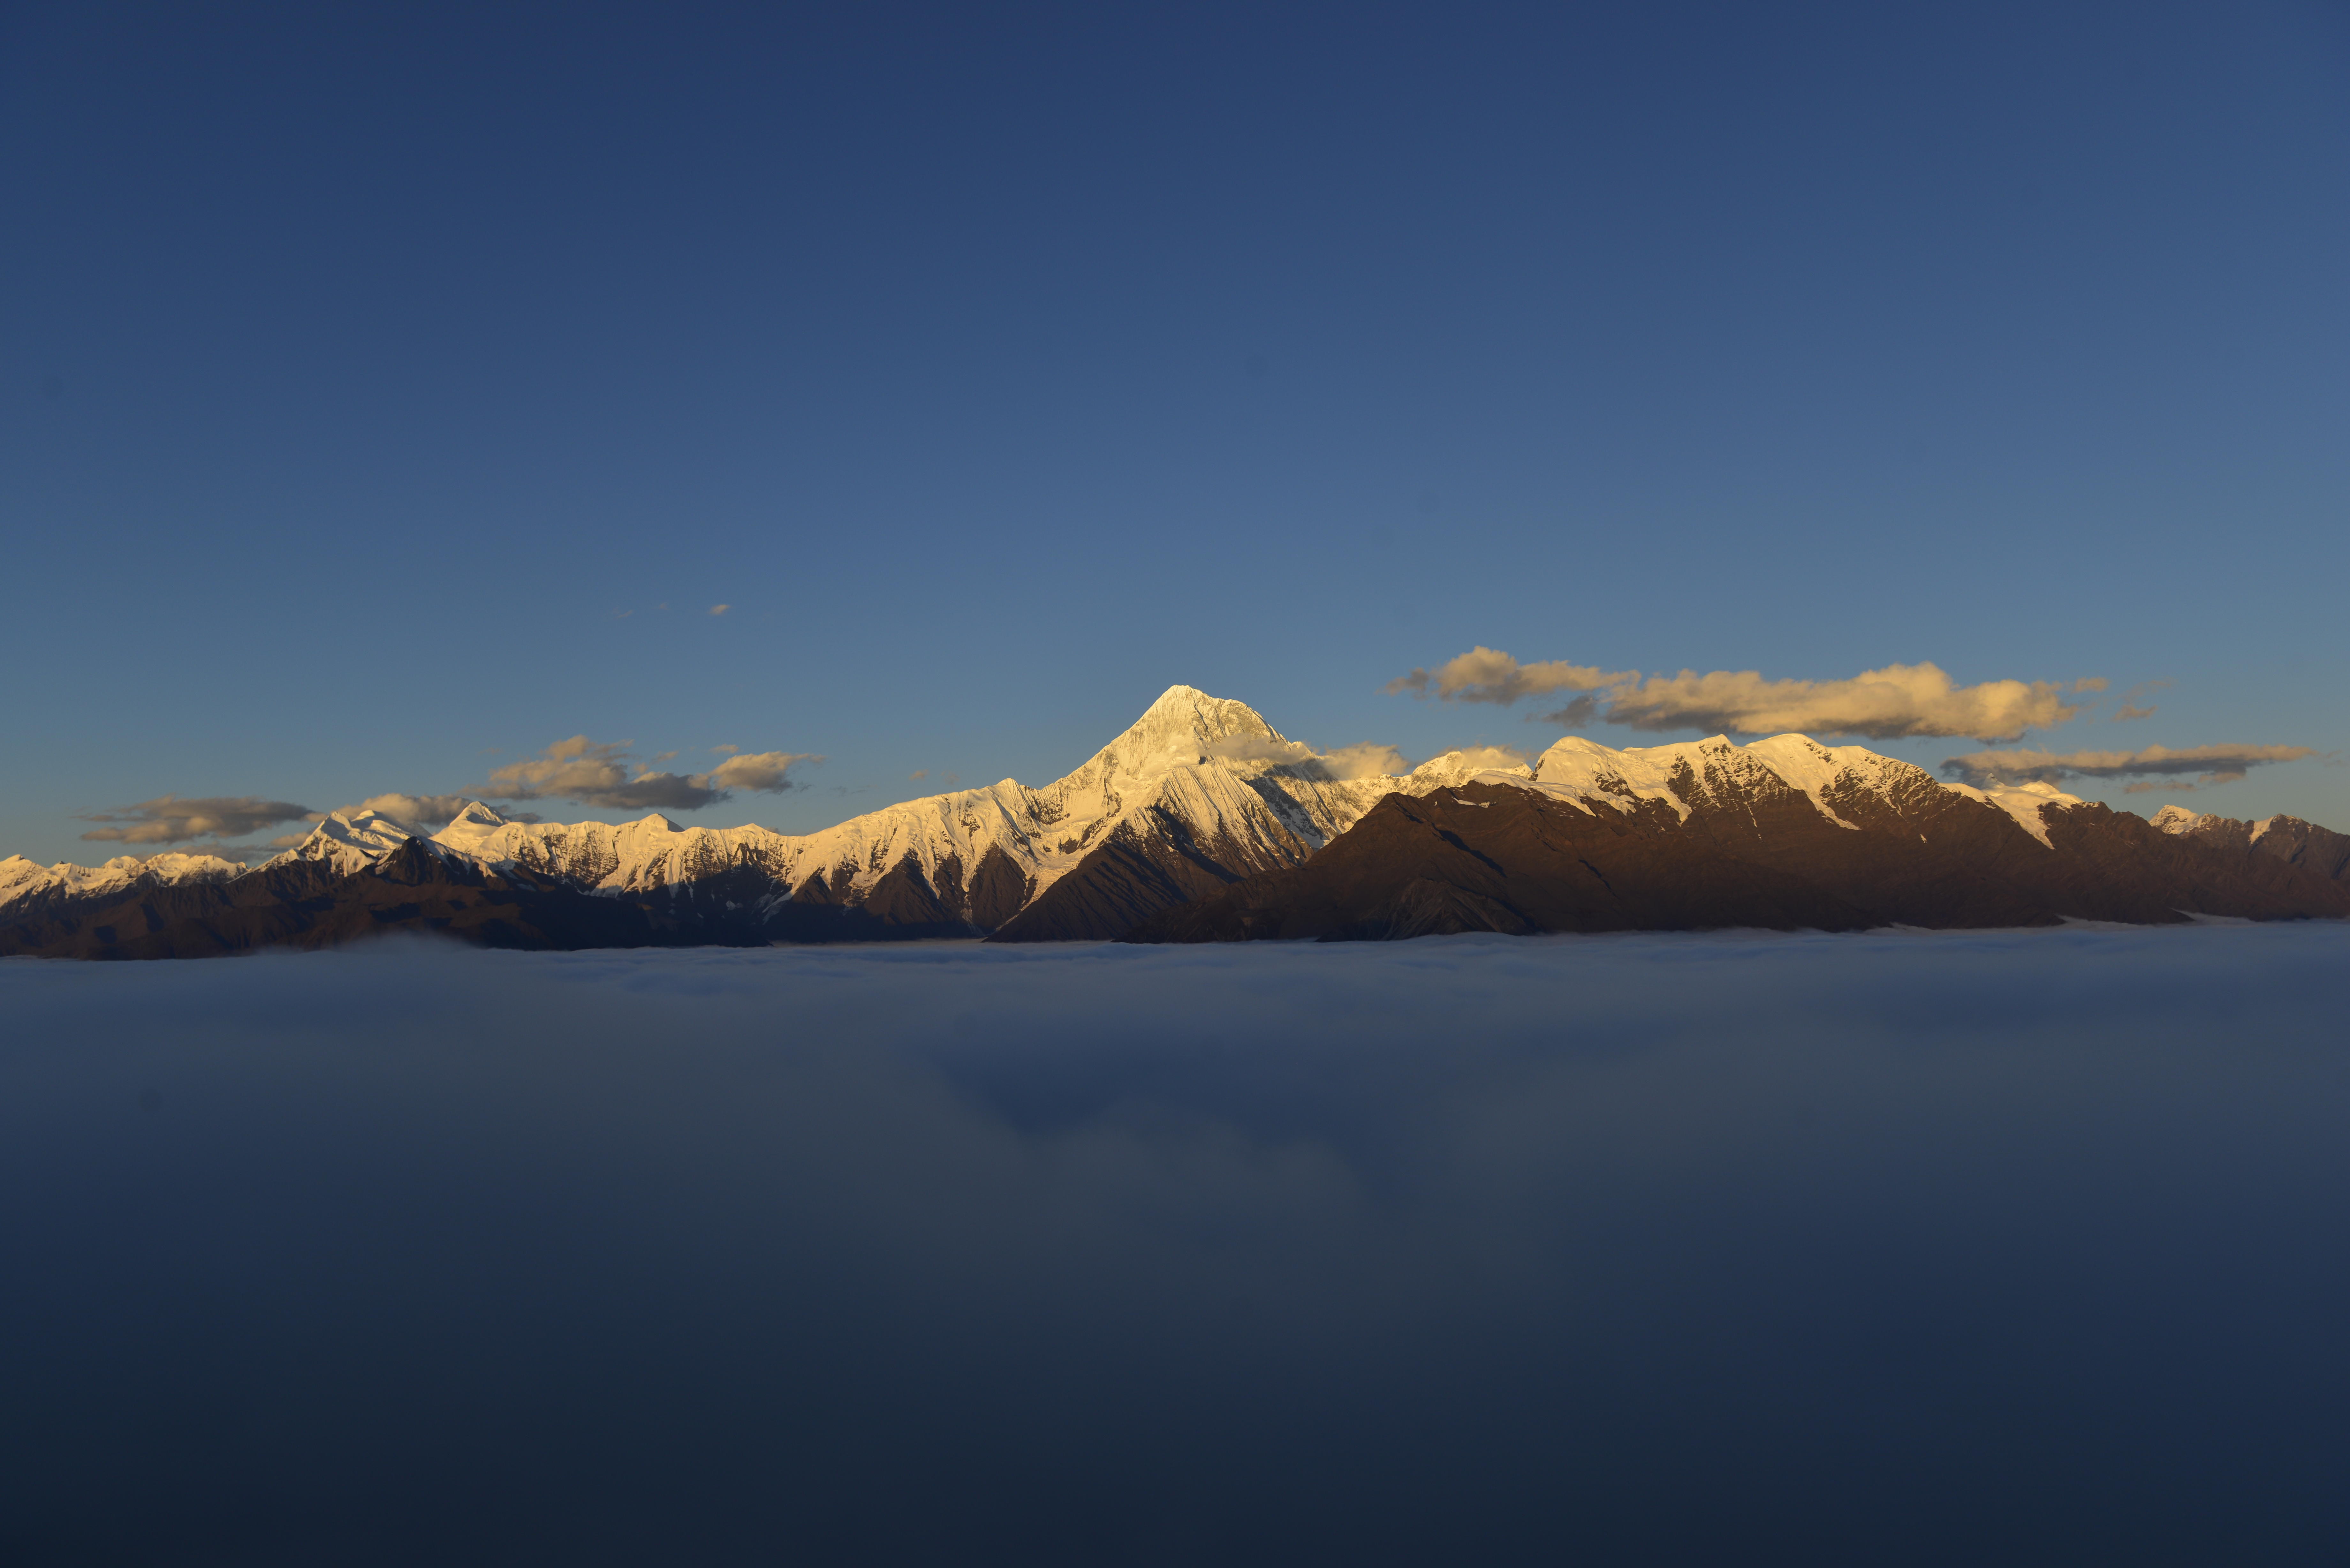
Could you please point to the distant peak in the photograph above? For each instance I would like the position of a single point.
(1178, 697)
(1188, 713)
(359, 821)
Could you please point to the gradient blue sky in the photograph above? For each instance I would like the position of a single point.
(370, 380)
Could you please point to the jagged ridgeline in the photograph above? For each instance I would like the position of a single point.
(1202, 823)
(1198, 793)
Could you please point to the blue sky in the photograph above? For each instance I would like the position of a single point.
(369, 383)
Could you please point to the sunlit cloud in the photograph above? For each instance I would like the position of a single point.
(1891, 703)
(1488, 675)
(766, 772)
(1897, 702)
(1365, 758)
(599, 773)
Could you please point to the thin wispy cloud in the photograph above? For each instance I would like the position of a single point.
(604, 774)
(2129, 708)
(2161, 765)
(174, 819)
(1898, 702)
(1366, 758)
(720, 610)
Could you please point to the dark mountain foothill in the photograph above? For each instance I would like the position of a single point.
(1145, 866)
(1490, 858)
(2285, 838)
(411, 889)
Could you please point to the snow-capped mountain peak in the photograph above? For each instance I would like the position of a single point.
(473, 823)
(2027, 803)
(21, 879)
(2181, 823)
(352, 842)
(1686, 773)
(1447, 770)
(1183, 728)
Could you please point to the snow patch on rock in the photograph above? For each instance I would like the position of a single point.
(2026, 803)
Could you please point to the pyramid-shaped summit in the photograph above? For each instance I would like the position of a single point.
(1185, 727)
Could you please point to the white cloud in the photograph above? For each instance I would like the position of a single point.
(1365, 758)
(1897, 700)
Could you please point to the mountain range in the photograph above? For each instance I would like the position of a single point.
(1202, 823)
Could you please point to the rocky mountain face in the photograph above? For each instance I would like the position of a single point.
(2286, 838)
(1784, 834)
(1202, 823)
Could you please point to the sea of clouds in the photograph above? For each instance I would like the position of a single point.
(1957, 1248)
